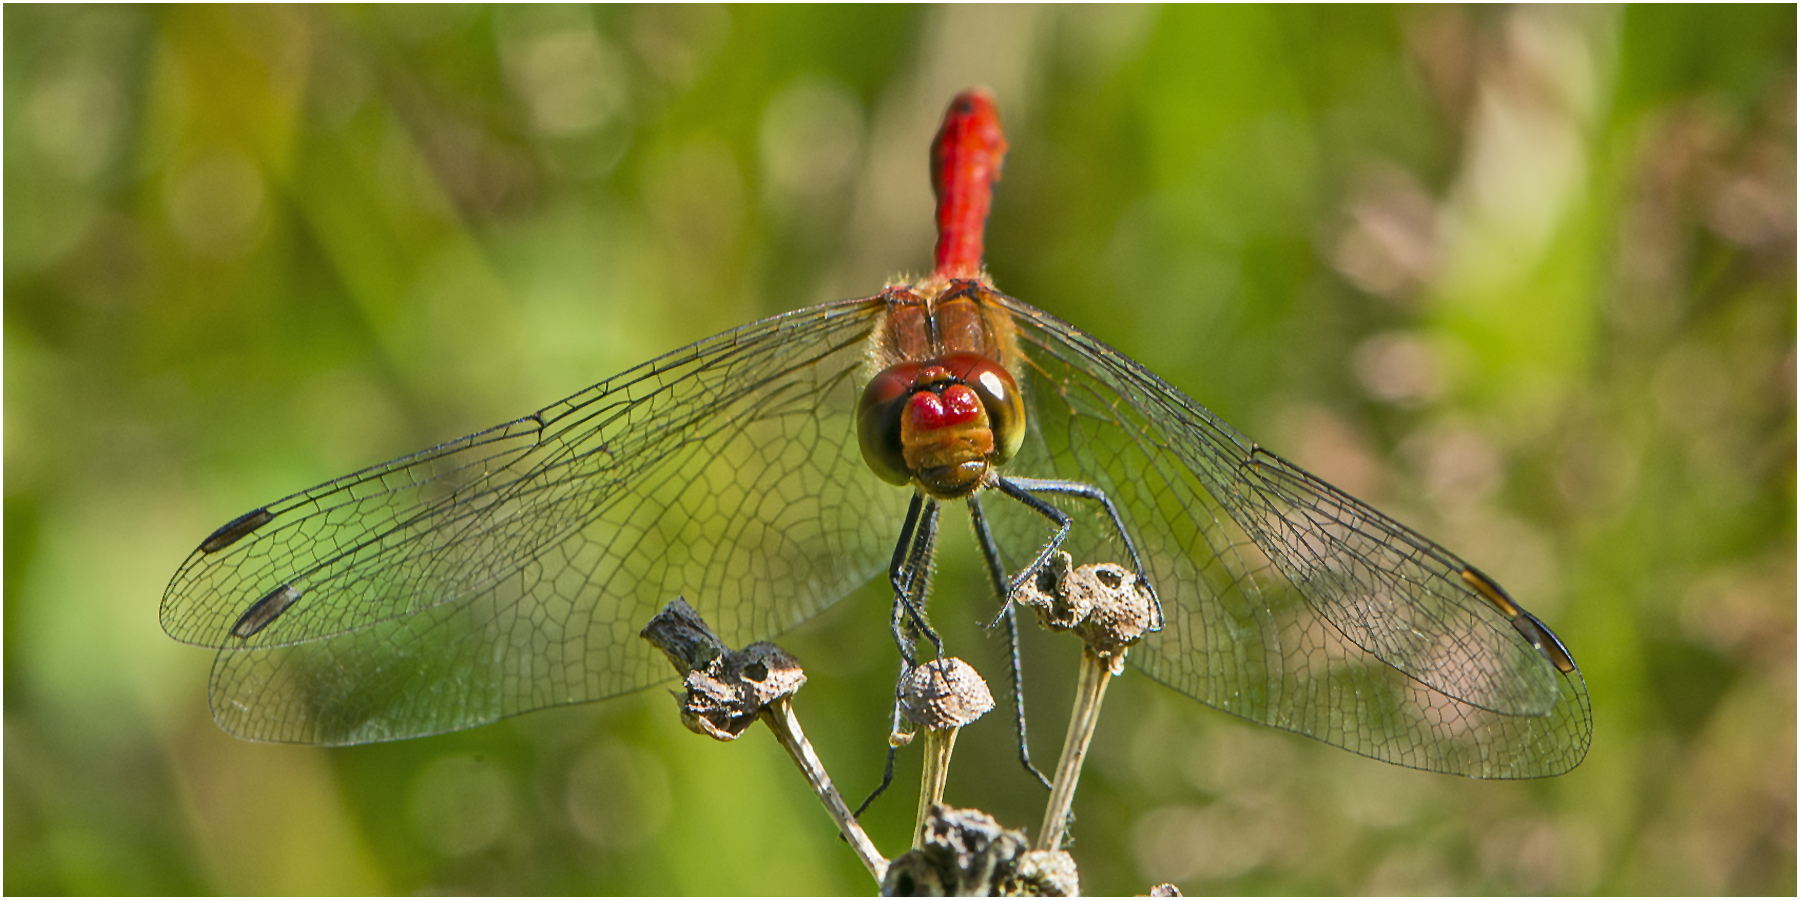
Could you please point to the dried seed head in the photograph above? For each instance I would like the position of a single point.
(1058, 608)
(1043, 873)
(726, 689)
(965, 853)
(1107, 605)
(1123, 610)
(768, 672)
(684, 637)
(945, 693)
(724, 699)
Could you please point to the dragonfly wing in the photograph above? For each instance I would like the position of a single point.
(512, 569)
(1288, 602)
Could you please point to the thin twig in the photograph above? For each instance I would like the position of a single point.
(939, 744)
(1090, 689)
(781, 719)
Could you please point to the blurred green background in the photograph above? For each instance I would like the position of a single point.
(1522, 277)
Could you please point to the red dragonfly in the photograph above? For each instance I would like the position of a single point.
(766, 472)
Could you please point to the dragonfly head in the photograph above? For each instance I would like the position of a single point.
(941, 423)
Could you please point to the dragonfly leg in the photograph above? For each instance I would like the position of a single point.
(887, 778)
(1025, 490)
(910, 574)
(990, 551)
(1061, 519)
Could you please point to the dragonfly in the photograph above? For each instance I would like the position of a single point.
(768, 471)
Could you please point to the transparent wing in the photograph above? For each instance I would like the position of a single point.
(511, 570)
(1288, 602)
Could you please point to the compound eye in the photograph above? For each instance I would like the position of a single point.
(999, 396)
(878, 421)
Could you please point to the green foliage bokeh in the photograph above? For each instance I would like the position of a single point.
(1522, 277)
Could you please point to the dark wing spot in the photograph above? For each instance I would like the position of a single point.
(1490, 592)
(233, 531)
(1545, 641)
(266, 610)
(1525, 623)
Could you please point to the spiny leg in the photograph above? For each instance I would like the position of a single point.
(887, 778)
(910, 575)
(1009, 613)
(1025, 491)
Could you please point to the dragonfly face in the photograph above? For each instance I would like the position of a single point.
(943, 409)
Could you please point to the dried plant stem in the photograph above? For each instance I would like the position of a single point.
(939, 744)
(1090, 689)
(781, 719)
